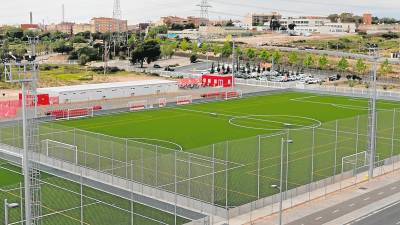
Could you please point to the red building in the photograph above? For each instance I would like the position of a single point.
(214, 80)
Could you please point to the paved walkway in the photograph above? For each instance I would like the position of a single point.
(339, 207)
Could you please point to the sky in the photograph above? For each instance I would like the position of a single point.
(17, 11)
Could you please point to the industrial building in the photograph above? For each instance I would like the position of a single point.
(90, 92)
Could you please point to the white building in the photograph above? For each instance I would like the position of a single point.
(90, 92)
(317, 25)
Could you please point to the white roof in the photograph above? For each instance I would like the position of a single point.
(85, 87)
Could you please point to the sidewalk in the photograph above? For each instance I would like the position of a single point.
(322, 203)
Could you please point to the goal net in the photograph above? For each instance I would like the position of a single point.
(137, 105)
(184, 100)
(355, 162)
(233, 94)
(79, 113)
(60, 150)
(162, 102)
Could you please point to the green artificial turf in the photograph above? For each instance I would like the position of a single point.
(244, 136)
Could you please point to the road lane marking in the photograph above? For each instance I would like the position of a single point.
(393, 188)
(366, 199)
(381, 193)
(335, 211)
(318, 218)
(352, 204)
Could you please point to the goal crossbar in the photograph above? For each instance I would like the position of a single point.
(137, 105)
(50, 144)
(184, 100)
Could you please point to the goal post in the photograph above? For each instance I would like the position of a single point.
(162, 102)
(137, 105)
(233, 94)
(60, 150)
(184, 100)
(79, 113)
(355, 162)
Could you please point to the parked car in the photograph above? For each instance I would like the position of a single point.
(156, 66)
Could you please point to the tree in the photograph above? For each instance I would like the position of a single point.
(264, 55)
(361, 67)
(193, 58)
(323, 62)
(277, 56)
(195, 47)
(291, 26)
(184, 45)
(343, 64)
(227, 49)
(204, 48)
(167, 51)
(155, 31)
(148, 51)
(250, 53)
(385, 68)
(293, 59)
(309, 61)
(216, 49)
(83, 59)
(62, 47)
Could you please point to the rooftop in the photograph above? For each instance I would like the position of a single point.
(85, 87)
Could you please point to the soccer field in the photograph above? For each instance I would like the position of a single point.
(250, 129)
(61, 203)
(227, 152)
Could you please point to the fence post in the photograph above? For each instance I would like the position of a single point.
(190, 174)
(126, 158)
(258, 167)
(156, 166)
(393, 136)
(357, 138)
(81, 193)
(131, 192)
(226, 179)
(213, 185)
(335, 151)
(112, 162)
(142, 168)
(312, 163)
(175, 189)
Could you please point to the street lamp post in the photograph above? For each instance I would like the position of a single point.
(8, 206)
(280, 187)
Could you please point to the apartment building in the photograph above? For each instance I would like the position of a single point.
(313, 24)
(82, 27)
(104, 24)
(260, 19)
(64, 27)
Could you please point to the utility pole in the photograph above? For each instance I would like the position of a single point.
(204, 6)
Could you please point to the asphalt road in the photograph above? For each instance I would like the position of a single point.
(389, 215)
(336, 211)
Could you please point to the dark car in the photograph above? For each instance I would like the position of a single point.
(157, 66)
(169, 68)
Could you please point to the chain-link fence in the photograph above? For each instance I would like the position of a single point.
(67, 202)
(230, 178)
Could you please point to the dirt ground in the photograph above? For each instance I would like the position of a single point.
(278, 38)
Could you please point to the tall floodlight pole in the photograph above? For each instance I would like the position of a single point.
(26, 74)
(373, 50)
